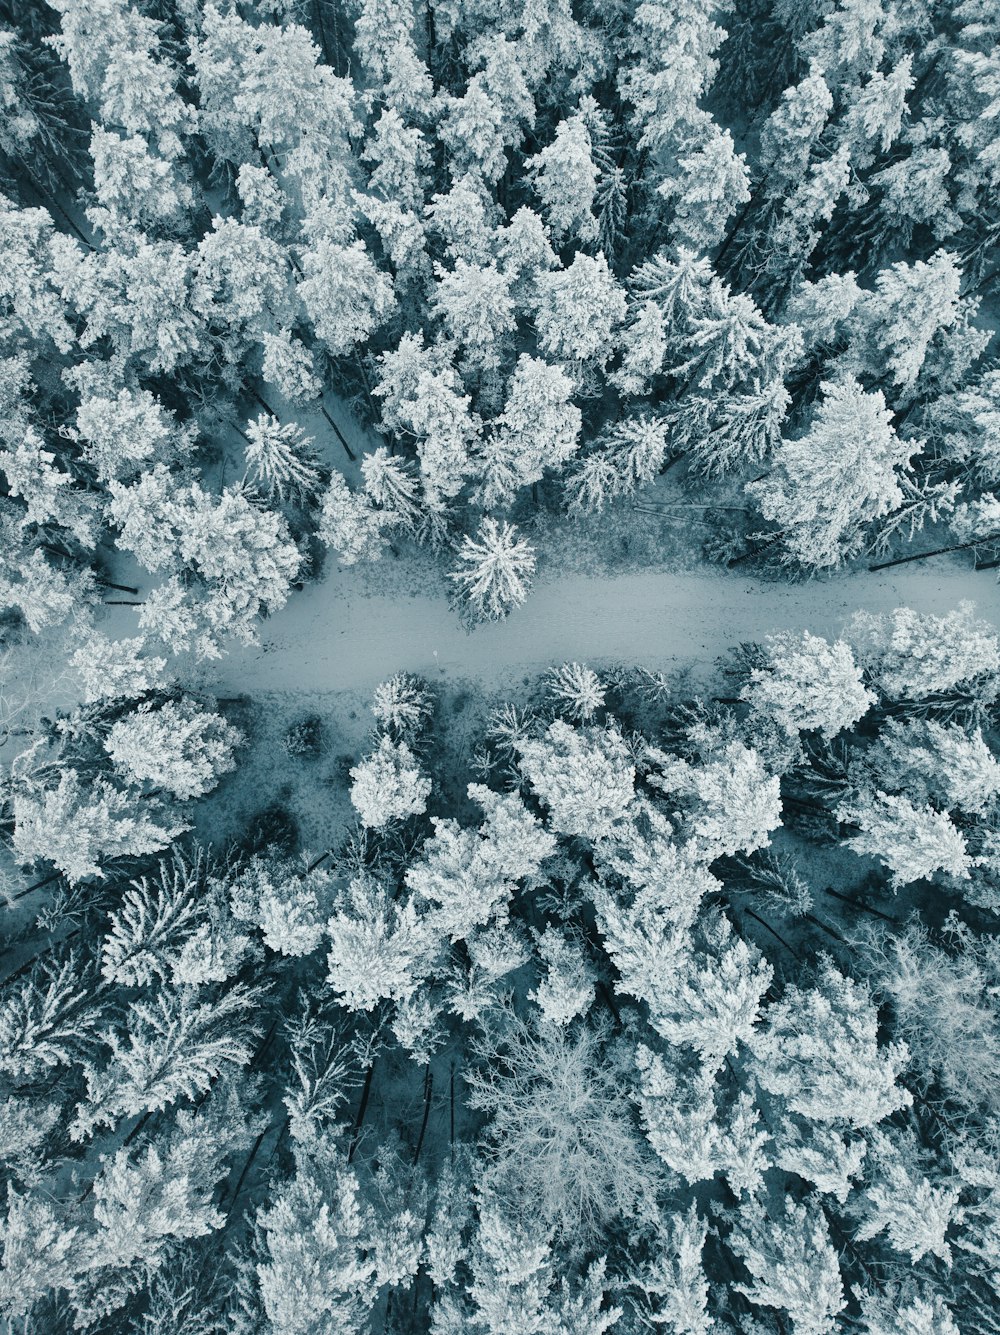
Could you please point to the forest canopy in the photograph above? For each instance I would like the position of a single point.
(620, 999)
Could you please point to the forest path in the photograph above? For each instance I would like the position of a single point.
(334, 636)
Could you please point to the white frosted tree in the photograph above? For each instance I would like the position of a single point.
(566, 988)
(561, 1151)
(585, 776)
(350, 523)
(730, 803)
(474, 304)
(538, 429)
(793, 1265)
(809, 684)
(818, 1050)
(171, 1046)
(821, 1156)
(347, 298)
(579, 311)
(402, 705)
(388, 786)
(714, 1002)
(378, 948)
(674, 1285)
(494, 571)
(175, 746)
(913, 655)
(829, 487)
(913, 842)
(315, 1262)
(577, 691)
(565, 177)
(78, 827)
(116, 669)
(937, 762)
(900, 1202)
(280, 458)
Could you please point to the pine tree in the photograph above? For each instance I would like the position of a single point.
(579, 312)
(914, 842)
(495, 570)
(172, 1047)
(281, 459)
(79, 828)
(116, 669)
(793, 1265)
(565, 176)
(45, 1019)
(673, 1285)
(714, 1003)
(899, 1201)
(913, 656)
(818, 1051)
(350, 524)
(176, 746)
(539, 429)
(388, 786)
(585, 776)
(808, 684)
(378, 949)
(733, 802)
(315, 1256)
(150, 923)
(833, 483)
(577, 690)
(566, 990)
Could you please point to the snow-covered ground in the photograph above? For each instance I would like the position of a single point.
(334, 635)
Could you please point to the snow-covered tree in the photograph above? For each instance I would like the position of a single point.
(495, 569)
(565, 177)
(914, 842)
(808, 683)
(585, 776)
(79, 827)
(538, 429)
(579, 311)
(818, 1051)
(388, 786)
(315, 1256)
(674, 1286)
(913, 655)
(175, 746)
(577, 690)
(350, 523)
(900, 1202)
(793, 1265)
(280, 458)
(566, 988)
(171, 1046)
(731, 803)
(714, 1001)
(377, 948)
(830, 486)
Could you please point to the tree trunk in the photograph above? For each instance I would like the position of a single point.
(339, 434)
(362, 1110)
(246, 1168)
(37, 886)
(860, 904)
(122, 588)
(777, 935)
(937, 551)
(428, 1091)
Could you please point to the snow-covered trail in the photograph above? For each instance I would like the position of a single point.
(332, 636)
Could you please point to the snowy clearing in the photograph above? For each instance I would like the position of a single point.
(333, 636)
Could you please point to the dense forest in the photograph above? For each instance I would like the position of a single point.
(622, 999)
